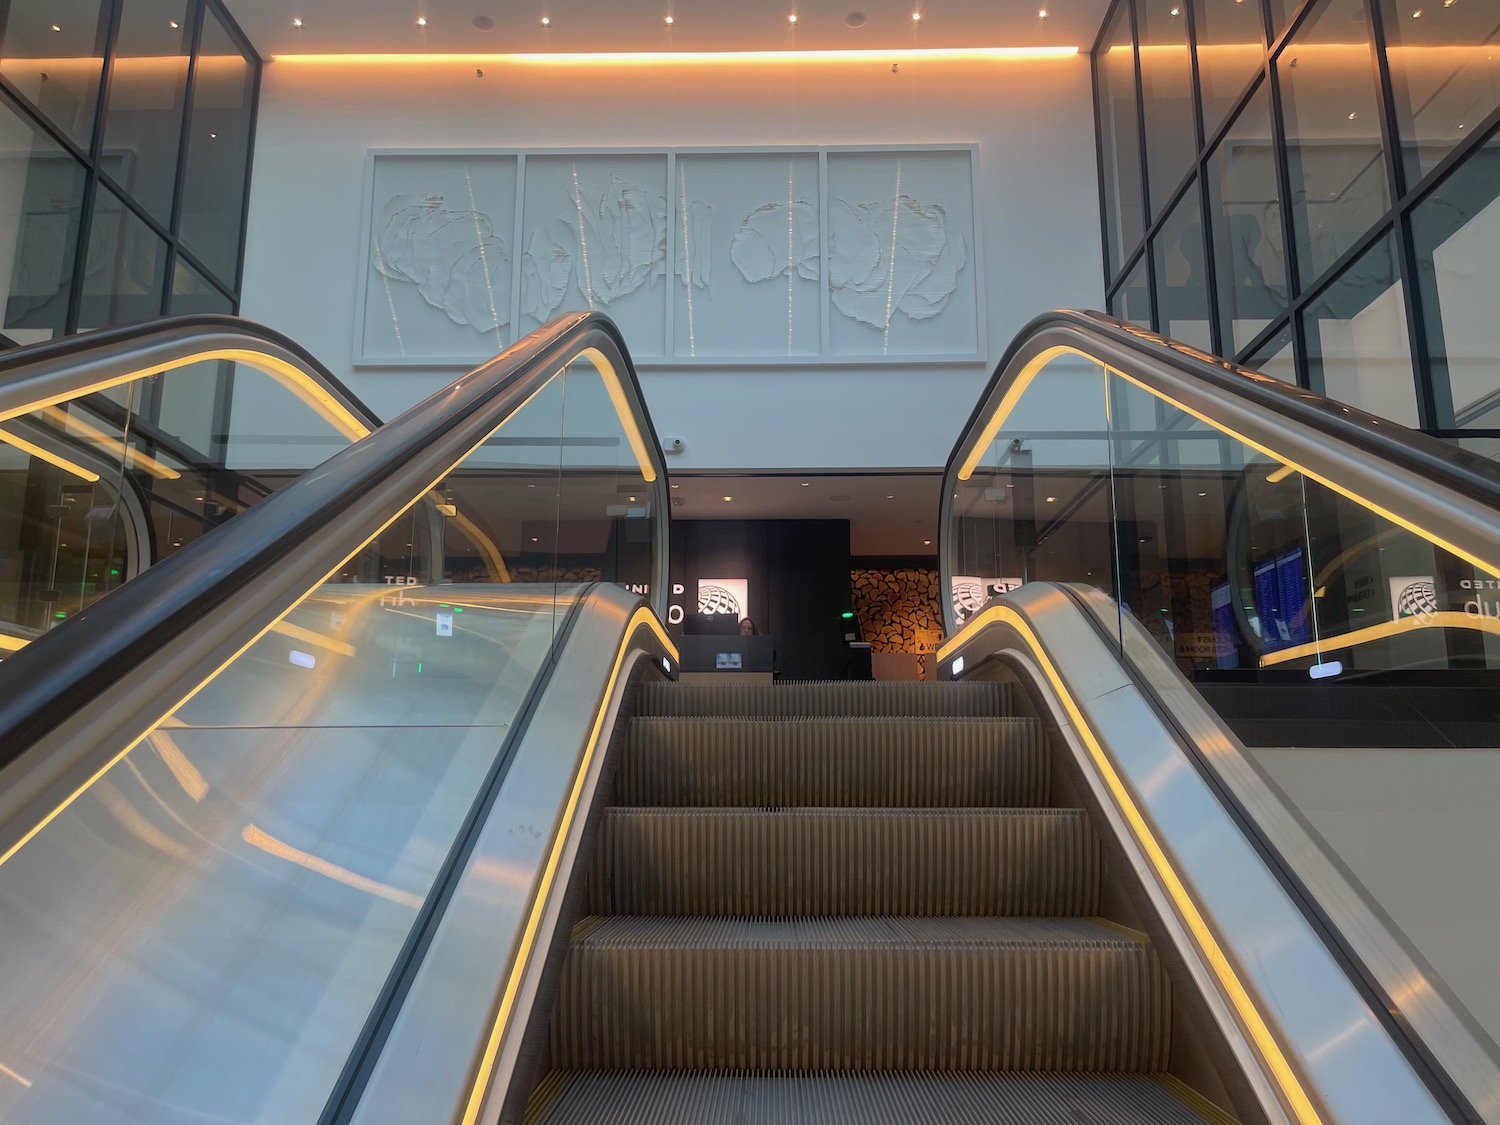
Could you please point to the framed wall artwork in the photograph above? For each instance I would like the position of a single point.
(703, 257)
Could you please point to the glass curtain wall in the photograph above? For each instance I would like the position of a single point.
(125, 136)
(1310, 187)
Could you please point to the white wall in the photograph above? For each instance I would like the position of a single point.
(1032, 120)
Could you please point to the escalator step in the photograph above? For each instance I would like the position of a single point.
(859, 994)
(592, 1097)
(862, 762)
(758, 862)
(829, 699)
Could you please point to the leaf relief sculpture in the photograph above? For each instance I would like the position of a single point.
(770, 244)
(885, 257)
(696, 263)
(452, 257)
(622, 238)
(545, 268)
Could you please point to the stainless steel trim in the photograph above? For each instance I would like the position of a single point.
(1425, 1003)
(1339, 1054)
(428, 1066)
(59, 377)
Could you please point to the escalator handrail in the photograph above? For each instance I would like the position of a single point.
(69, 366)
(1451, 495)
(77, 698)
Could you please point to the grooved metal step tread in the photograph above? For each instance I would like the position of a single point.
(612, 1098)
(840, 861)
(857, 762)
(859, 994)
(827, 699)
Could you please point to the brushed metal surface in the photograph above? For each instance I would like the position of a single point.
(825, 700)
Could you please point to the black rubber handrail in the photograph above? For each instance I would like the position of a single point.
(1467, 473)
(126, 337)
(222, 589)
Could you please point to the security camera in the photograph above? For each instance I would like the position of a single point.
(676, 445)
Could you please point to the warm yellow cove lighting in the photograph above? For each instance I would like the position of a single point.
(660, 58)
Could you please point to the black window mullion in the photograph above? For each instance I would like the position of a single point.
(189, 91)
(257, 68)
(1200, 169)
(91, 180)
(1104, 235)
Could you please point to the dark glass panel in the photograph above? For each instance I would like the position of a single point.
(1120, 133)
(1457, 236)
(1358, 351)
(53, 53)
(192, 293)
(147, 90)
(1245, 206)
(1181, 276)
(1231, 47)
(1334, 151)
(1167, 87)
(41, 202)
(213, 189)
(1445, 73)
(126, 269)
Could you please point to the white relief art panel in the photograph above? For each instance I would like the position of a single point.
(813, 256)
(901, 269)
(438, 259)
(748, 259)
(594, 236)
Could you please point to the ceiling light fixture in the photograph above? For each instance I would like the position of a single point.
(727, 499)
(173, 24)
(546, 21)
(669, 21)
(296, 21)
(1041, 14)
(421, 21)
(56, 27)
(656, 59)
(1052, 499)
(792, 18)
(1352, 116)
(807, 484)
(916, 17)
(1417, 14)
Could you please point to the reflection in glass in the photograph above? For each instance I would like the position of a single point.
(191, 293)
(1167, 90)
(1181, 275)
(1231, 50)
(1037, 506)
(126, 269)
(1334, 153)
(1245, 203)
(1445, 73)
(39, 220)
(1132, 301)
(1358, 351)
(218, 149)
(53, 54)
(1120, 133)
(143, 114)
(1456, 231)
(1277, 357)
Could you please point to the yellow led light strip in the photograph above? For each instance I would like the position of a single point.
(642, 617)
(318, 640)
(1276, 1061)
(72, 423)
(166, 717)
(48, 456)
(9, 643)
(1024, 378)
(621, 403)
(289, 375)
(667, 58)
(1443, 619)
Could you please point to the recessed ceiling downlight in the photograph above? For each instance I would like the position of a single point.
(854, 19)
(484, 23)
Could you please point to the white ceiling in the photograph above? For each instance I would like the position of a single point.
(389, 26)
(888, 515)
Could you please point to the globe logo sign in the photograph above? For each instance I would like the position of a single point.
(716, 599)
(1417, 599)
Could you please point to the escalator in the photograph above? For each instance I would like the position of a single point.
(379, 801)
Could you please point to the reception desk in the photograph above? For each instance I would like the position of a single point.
(748, 659)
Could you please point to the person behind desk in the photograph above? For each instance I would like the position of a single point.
(747, 628)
